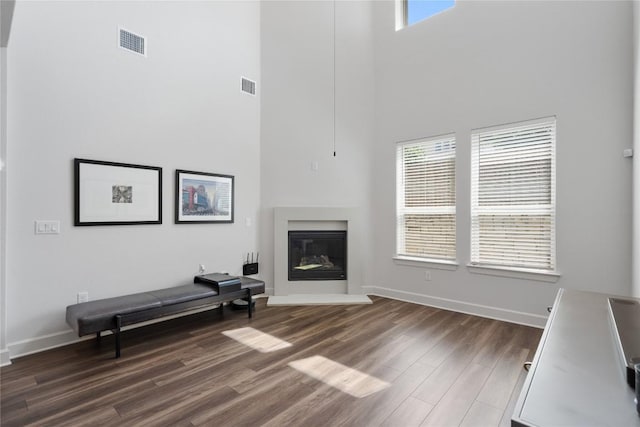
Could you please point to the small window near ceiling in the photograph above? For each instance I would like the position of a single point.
(411, 11)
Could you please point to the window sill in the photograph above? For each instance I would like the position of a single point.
(518, 273)
(426, 262)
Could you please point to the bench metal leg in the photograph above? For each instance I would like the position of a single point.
(117, 334)
(249, 309)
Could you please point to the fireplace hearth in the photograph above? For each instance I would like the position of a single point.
(317, 255)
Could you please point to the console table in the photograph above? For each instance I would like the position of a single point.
(577, 377)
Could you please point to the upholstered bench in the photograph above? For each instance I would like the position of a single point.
(112, 314)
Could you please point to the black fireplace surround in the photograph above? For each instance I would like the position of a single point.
(317, 255)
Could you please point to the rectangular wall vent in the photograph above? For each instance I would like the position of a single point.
(248, 86)
(133, 42)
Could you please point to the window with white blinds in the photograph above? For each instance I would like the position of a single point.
(513, 195)
(426, 198)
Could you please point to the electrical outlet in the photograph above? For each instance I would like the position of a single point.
(83, 296)
(427, 275)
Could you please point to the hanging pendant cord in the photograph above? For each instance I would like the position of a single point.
(334, 78)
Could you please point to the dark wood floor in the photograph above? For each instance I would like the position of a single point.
(439, 368)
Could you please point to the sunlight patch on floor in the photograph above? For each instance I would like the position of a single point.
(345, 379)
(257, 340)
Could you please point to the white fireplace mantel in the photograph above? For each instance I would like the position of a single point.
(317, 218)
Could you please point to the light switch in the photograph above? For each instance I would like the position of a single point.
(47, 226)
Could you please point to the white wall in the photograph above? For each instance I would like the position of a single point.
(636, 148)
(4, 352)
(488, 63)
(74, 93)
(6, 15)
(297, 112)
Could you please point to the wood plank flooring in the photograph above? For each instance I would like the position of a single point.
(436, 367)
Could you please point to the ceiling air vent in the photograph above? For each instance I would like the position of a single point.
(248, 86)
(133, 42)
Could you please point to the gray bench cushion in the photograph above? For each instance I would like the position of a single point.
(183, 293)
(94, 316)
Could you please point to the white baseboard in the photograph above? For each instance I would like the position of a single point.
(59, 339)
(315, 299)
(528, 319)
(45, 342)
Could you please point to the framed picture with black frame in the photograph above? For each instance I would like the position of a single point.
(203, 197)
(110, 193)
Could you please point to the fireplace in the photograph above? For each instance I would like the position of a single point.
(323, 219)
(317, 255)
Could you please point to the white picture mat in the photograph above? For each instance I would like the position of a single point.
(96, 186)
(209, 179)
